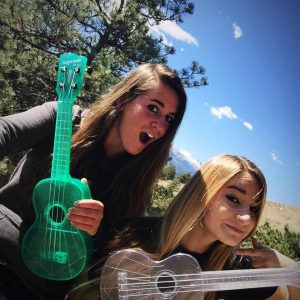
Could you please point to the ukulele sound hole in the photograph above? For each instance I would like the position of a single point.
(57, 214)
(166, 284)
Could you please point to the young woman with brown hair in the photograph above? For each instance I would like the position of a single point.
(119, 147)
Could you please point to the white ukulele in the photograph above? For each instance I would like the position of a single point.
(131, 274)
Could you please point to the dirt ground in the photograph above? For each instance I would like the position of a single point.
(278, 215)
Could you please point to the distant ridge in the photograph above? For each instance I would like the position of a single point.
(184, 161)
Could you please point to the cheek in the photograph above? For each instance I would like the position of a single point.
(252, 225)
(139, 114)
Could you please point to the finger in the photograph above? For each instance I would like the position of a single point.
(84, 180)
(89, 203)
(86, 212)
(256, 244)
(83, 219)
(260, 263)
(85, 227)
(251, 252)
(264, 262)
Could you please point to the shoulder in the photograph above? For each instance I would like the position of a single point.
(50, 108)
(137, 232)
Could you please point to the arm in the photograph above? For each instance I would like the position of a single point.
(289, 292)
(264, 257)
(23, 131)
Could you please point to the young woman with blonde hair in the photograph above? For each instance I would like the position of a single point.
(217, 209)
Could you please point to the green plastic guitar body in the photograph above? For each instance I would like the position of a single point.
(52, 248)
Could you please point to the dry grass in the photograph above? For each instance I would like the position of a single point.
(278, 215)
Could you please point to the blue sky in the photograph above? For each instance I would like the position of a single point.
(251, 52)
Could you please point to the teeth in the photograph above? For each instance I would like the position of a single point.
(151, 136)
(145, 137)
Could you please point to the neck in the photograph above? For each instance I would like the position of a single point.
(194, 245)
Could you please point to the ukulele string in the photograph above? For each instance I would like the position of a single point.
(64, 153)
(67, 149)
(53, 195)
(59, 164)
(203, 284)
(194, 286)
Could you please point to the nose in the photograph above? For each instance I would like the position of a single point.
(244, 217)
(160, 126)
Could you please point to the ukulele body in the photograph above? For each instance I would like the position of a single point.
(132, 275)
(52, 248)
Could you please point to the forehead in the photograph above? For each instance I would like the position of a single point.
(244, 183)
(164, 94)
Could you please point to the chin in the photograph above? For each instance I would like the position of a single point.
(134, 151)
(231, 241)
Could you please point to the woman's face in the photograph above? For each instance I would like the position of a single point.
(144, 120)
(232, 215)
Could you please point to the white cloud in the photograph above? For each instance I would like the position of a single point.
(237, 31)
(224, 111)
(173, 30)
(276, 159)
(194, 162)
(248, 125)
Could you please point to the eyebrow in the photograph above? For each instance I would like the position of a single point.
(162, 104)
(237, 188)
(241, 191)
(158, 102)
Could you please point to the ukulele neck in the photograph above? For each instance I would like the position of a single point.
(62, 142)
(241, 279)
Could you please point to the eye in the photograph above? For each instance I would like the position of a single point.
(255, 210)
(170, 118)
(153, 108)
(232, 200)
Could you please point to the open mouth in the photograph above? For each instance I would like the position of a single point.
(146, 137)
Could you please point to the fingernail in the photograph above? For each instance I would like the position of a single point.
(76, 202)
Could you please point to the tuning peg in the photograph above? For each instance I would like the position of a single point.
(89, 70)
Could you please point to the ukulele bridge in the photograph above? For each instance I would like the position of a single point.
(55, 256)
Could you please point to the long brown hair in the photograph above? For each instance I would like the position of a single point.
(134, 182)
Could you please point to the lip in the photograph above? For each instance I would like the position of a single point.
(235, 229)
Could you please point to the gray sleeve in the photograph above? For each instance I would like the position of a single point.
(25, 130)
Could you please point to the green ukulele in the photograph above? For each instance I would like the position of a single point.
(52, 248)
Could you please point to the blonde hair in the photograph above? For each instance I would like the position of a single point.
(190, 204)
(184, 212)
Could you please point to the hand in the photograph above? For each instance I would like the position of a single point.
(263, 257)
(86, 214)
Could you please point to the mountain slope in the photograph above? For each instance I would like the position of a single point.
(184, 161)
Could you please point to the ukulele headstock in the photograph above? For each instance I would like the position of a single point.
(71, 71)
